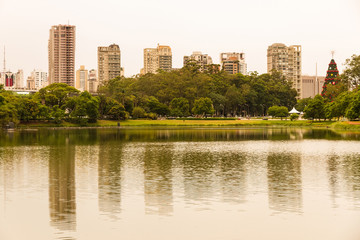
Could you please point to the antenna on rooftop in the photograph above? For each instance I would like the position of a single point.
(4, 61)
(332, 54)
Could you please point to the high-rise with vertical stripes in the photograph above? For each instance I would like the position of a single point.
(62, 54)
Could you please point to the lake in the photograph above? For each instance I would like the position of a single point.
(180, 183)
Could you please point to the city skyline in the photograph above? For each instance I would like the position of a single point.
(319, 28)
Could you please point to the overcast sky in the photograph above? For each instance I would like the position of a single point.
(210, 26)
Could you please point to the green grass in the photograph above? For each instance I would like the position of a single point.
(353, 126)
(193, 122)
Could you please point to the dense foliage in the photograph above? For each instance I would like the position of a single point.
(181, 93)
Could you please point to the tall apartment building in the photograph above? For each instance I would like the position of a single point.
(62, 54)
(157, 58)
(40, 78)
(109, 63)
(202, 60)
(233, 62)
(19, 79)
(82, 79)
(30, 83)
(92, 81)
(288, 61)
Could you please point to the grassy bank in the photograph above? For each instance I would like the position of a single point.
(184, 123)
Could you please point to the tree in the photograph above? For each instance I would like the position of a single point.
(331, 80)
(83, 108)
(353, 110)
(277, 111)
(138, 112)
(157, 107)
(301, 104)
(27, 109)
(56, 94)
(179, 107)
(294, 116)
(315, 108)
(8, 111)
(203, 106)
(117, 112)
(352, 71)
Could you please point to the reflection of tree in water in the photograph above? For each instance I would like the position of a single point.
(109, 178)
(351, 166)
(233, 176)
(284, 182)
(62, 199)
(158, 185)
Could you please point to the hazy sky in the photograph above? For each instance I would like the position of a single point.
(212, 27)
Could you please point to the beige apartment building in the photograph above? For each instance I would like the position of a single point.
(288, 61)
(201, 60)
(311, 86)
(157, 58)
(62, 54)
(109, 63)
(82, 79)
(233, 62)
(92, 81)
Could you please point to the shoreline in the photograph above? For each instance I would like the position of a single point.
(353, 126)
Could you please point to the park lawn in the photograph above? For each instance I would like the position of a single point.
(134, 123)
(199, 123)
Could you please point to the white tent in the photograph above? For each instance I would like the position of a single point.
(294, 111)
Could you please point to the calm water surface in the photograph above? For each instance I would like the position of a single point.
(180, 184)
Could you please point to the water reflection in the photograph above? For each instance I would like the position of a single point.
(62, 194)
(351, 165)
(233, 176)
(284, 181)
(333, 173)
(109, 178)
(158, 189)
(198, 173)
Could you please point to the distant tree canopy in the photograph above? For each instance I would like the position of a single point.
(175, 93)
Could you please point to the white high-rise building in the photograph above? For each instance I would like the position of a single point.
(40, 78)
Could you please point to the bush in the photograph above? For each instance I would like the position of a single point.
(294, 116)
(138, 112)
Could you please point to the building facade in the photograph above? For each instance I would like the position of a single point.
(40, 78)
(286, 60)
(311, 86)
(82, 79)
(62, 54)
(19, 79)
(109, 63)
(92, 81)
(201, 60)
(157, 58)
(30, 83)
(233, 63)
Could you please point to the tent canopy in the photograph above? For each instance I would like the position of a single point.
(294, 111)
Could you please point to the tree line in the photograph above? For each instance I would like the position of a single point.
(179, 93)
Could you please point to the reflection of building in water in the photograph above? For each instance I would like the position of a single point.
(158, 179)
(199, 175)
(109, 178)
(333, 171)
(233, 176)
(284, 181)
(351, 165)
(62, 199)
